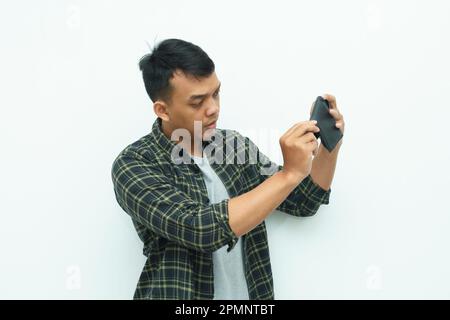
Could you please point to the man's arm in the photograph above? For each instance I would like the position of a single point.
(149, 197)
(324, 165)
(306, 197)
(250, 209)
(290, 187)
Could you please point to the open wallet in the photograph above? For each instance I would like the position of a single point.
(328, 134)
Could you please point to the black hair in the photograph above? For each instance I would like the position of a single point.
(168, 56)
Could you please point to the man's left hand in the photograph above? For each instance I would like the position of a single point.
(335, 113)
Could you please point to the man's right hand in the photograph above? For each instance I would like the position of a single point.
(298, 145)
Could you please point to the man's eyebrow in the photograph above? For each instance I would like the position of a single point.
(201, 96)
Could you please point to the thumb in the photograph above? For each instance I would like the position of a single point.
(316, 151)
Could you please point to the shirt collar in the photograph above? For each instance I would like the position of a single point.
(161, 140)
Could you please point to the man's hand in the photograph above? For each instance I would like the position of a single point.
(335, 113)
(298, 145)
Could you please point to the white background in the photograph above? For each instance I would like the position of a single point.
(72, 98)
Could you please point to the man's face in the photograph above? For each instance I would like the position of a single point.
(194, 100)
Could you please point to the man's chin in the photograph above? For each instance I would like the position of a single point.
(208, 133)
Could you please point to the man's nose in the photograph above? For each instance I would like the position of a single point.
(213, 108)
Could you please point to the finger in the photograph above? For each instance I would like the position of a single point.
(316, 147)
(335, 113)
(307, 138)
(316, 151)
(291, 129)
(339, 125)
(302, 127)
(331, 100)
(304, 130)
(313, 147)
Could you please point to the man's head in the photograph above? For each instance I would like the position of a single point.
(180, 79)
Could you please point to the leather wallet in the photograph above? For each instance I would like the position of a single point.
(328, 134)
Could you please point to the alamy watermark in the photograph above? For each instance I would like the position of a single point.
(228, 148)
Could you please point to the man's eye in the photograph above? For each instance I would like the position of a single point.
(216, 93)
(197, 105)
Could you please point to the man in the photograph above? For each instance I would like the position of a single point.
(200, 215)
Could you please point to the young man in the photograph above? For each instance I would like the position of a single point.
(198, 195)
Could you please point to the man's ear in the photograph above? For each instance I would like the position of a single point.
(160, 108)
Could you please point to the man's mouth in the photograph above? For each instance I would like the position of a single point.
(212, 125)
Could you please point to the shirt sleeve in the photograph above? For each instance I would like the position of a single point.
(145, 193)
(304, 200)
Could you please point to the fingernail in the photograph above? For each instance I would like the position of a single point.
(314, 121)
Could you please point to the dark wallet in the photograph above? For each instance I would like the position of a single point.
(328, 134)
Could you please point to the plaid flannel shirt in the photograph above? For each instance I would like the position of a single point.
(170, 209)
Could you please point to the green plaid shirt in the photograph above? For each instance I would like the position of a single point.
(170, 209)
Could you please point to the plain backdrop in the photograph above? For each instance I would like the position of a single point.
(72, 98)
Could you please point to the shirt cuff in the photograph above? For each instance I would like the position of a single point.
(313, 191)
(223, 220)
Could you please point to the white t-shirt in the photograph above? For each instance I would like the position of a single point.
(229, 277)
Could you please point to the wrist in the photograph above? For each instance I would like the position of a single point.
(324, 152)
(293, 178)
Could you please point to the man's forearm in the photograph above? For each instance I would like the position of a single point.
(324, 165)
(248, 210)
